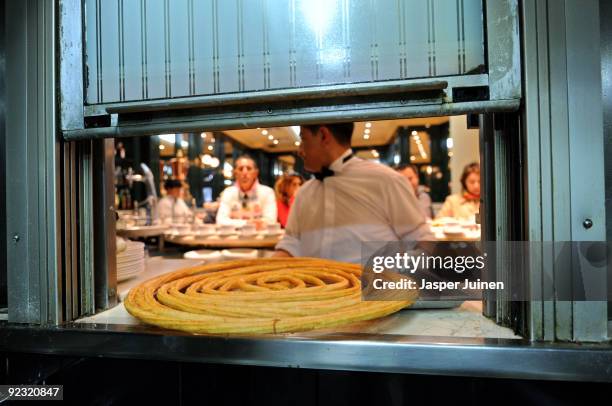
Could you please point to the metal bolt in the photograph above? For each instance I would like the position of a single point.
(269, 110)
(587, 223)
(16, 238)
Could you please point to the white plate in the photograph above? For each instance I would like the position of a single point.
(239, 253)
(207, 255)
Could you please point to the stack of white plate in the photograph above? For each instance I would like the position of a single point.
(131, 260)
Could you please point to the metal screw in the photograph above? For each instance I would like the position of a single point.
(16, 238)
(269, 110)
(587, 223)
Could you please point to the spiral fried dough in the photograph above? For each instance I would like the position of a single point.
(272, 295)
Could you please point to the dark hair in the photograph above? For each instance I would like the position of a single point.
(401, 167)
(172, 184)
(250, 158)
(469, 169)
(342, 132)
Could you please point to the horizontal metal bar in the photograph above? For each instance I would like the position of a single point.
(291, 117)
(307, 93)
(478, 357)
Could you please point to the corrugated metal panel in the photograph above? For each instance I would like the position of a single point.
(155, 49)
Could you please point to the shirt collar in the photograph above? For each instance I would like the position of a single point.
(250, 191)
(338, 164)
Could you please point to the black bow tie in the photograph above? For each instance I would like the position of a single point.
(326, 172)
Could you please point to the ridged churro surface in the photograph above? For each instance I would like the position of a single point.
(258, 296)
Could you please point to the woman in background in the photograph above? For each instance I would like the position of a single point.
(411, 173)
(466, 204)
(286, 188)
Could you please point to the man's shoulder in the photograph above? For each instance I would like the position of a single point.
(265, 189)
(375, 171)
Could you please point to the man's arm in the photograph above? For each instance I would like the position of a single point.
(290, 244)
(269, 209)
(280, 253)
(405, 214)
(225, 208)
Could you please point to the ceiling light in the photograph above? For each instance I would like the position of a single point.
(270, 137)
(264, 132)
(412, 157)
(414, 132)
(184, 144)
(297, 143)
(367, 131)
(162, 147)
(449, 143)
(366, 136)
(368, 125)
(203, 135)
(275, 142)
(210, 147)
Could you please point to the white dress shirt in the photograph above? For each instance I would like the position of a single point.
(260, 199)
(172, 209)
(363, 201)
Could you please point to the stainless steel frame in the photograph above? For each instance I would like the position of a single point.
(34, 253)
(488, 358)
(564, 147)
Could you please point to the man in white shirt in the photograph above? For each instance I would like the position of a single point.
(247, 200)
(172, 208)
(350, 201)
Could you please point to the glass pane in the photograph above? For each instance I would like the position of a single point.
(142, 50)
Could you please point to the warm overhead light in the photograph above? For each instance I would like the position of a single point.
(449, 143)
(297, 143)
(450, 154)
(212, 139)
(203, 135)
(427, 125)
(264, 132)
(270, 137)
(412, 157)
(375, 153)
(210, 147)
(429, 170)
(366, 136)
(414, 132)
(275, 142)
(184, 144)
(162, 147)
(368, 125)
(367, 131)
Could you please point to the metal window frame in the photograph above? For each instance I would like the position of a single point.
(563, 135)
(33, 158)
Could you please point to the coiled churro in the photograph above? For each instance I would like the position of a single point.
(271, 295)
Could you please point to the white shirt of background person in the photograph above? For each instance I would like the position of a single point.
(172, 208)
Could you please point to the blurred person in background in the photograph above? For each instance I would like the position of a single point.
(172, 208)
(411, 173)
(247, 200)
(286, 188)
(466, 204)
